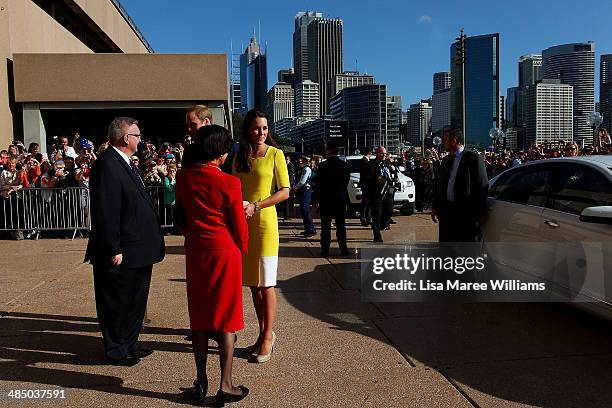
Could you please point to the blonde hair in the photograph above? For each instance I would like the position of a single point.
(201, 112)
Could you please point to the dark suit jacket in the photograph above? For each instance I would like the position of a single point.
(471, 185)
(124, 219)
(373, 183)
(331, 183)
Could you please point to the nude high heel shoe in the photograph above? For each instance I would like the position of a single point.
(261, 358)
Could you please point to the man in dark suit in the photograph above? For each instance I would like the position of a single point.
(460, 200)
(331, 184)
(124, 244)
(380, 185)
(366, 215)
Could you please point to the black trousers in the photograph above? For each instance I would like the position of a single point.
(121, 300)
(366, 213)
(382, 210)
(339, 217)
(456, 224)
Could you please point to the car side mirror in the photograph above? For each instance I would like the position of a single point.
(599, 215)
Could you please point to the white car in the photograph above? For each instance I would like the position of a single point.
(552, 219)
(404, 197)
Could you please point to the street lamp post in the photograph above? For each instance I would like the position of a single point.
(461, 41)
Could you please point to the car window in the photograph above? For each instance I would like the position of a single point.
(528, 185)
(580, 187)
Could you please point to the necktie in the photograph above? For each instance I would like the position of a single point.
(136, 172)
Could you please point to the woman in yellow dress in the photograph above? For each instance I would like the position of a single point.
(262, 171)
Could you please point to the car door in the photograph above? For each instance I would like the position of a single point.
(511, 233)
(579, 252)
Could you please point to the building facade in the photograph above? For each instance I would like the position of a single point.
(325, 56)
(300, 44)
(311, 137)
(441, 81)
(481, 88)
(287, 76)
(419, 122)
(549, 112)
(605, 90)
(307, 100)
(279, 103)
(440, 111)
(365, 109)
(253, 77)
(530, 70)
(348, 79)
(574, 64)
(62, 26)
(394, 121)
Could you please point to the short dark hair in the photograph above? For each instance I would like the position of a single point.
(367, 150)
(213, 142)
(456, 134)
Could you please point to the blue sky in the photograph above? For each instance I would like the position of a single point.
(401, 43)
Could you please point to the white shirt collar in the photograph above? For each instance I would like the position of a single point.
(125, 156)
(459, 151)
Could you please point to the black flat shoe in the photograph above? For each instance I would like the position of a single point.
(125, 362)
(199, 392)
(223, 398)
(143, 352)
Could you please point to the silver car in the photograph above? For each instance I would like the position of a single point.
(553, 219)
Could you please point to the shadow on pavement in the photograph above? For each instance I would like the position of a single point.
(28, 341)
(535, 354)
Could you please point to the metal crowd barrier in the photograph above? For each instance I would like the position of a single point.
(166, 212)
(32, 210)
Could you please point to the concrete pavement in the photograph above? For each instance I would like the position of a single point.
(332, 349)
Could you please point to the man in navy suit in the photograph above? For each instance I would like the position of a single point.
(124, 244)
(460, 201)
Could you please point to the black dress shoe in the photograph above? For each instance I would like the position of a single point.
(128, 361)
(345, 252)
(199, 391)
(309, 234)
(377, 240)
(392, 222)
(142, 352)
(222, 397)
(324, 254)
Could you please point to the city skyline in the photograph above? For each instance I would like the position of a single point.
(376, 38)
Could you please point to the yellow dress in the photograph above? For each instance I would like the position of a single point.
(268, 174)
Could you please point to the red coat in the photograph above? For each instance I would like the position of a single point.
(215, 235)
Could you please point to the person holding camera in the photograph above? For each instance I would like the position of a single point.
(304, 189)
(381, 181)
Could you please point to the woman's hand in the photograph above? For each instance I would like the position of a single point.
(249, 210)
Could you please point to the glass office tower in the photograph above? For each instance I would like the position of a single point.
(481, 88)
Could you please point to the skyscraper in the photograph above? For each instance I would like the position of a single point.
(287, 76)
(481, 88)
(419, 120)
(440, 111)
(348, 79)
(394, 120)
(441, 81)
(605, 90)
(549, 112)
(512, 107)
(253, 77)
(530, 70)
(365, 108)
(300, 44)
(574, 64)
(307, 100)
(280, 103)
(325, 55)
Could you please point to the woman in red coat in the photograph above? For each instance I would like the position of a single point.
(216, 234)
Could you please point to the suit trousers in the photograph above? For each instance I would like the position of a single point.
(366, 213)
(121, 300)
(456, 224)
(339, 216)
(382, 210)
